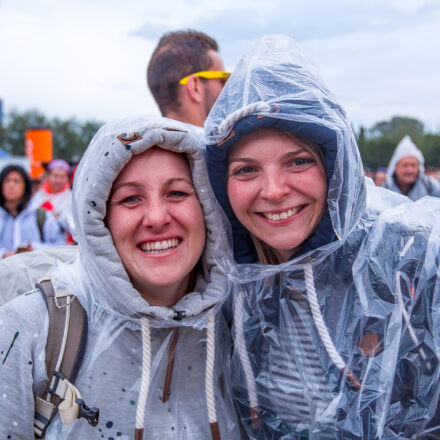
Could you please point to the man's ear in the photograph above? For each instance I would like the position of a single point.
(194, 89)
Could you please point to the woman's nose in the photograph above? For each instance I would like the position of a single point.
(274, 187)
(156, 214)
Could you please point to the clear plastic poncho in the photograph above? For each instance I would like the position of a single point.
(162, 371)
(342, 340)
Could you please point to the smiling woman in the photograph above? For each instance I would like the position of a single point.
(335, 285)
(157, 225)
(152, 283)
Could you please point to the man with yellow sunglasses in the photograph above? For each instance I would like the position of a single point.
(186, 75)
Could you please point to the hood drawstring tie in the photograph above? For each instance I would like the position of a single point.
(322, 329)
(253, 107)
(245, 362)
(209, 378)
(170, 366)
(145, 381)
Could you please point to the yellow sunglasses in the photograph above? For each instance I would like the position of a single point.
(209, 74)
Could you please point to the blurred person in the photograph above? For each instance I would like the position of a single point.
(380, 176)
(433, 172)
(55, 193)
(185, 75)
(23, 226)
(406, 172)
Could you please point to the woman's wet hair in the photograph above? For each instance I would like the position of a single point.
(27, 188)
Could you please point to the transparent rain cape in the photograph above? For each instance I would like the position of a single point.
(342, 341)
(157, 369)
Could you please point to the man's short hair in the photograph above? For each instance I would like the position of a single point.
(177, 55)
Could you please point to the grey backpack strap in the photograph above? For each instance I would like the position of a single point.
(65, 346)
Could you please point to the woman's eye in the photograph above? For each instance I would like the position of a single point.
(243, 171)
(130, 199)
(302, 162)
(177, 194)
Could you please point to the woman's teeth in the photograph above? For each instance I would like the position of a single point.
(157, 246)
(282, 215)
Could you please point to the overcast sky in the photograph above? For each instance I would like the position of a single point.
(87, 59)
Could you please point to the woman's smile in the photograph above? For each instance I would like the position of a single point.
(160, 247)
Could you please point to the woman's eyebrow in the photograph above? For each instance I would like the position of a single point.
(120, 185)
(242, 159)
(295, 153)
(178, 179)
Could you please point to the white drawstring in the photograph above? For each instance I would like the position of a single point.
(241, 113)
(244, 356)
(145, 381)
(209, 374)
(319, 321)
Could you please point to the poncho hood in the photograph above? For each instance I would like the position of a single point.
(99, 269)
(276, 86)
(405, 148)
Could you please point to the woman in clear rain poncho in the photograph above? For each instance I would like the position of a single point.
(155, 362)
(336, 335)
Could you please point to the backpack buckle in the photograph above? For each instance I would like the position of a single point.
(90, 414)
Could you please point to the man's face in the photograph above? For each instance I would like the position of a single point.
(213, 86)
(58, 180)
(407, 170)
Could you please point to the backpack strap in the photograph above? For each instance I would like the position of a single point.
(41, 219)
(65, 347)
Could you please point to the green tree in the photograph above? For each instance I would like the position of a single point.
(397, 128)
(15, 127)
(430, 146)
(70, 136)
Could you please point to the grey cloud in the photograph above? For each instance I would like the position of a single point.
(235, 28)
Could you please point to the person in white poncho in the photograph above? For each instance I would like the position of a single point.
(406, 172)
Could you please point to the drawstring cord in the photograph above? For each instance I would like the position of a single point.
(145, 381)
(322, 329)
(245, 362)
(209, 378)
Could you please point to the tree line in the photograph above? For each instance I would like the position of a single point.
(71, 137)
(377, 143)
